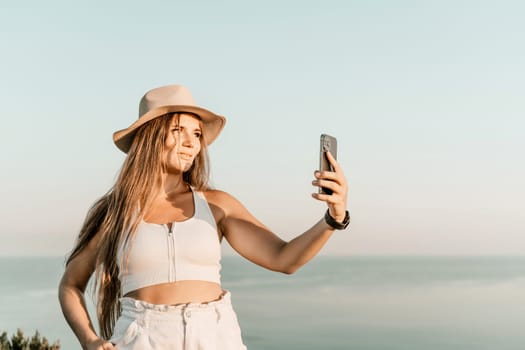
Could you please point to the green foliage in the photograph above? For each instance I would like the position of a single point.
(4, 342)
(20, 342)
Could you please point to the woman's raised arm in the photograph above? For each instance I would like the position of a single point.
(254, 241)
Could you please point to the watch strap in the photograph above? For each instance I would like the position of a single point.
(336, 224)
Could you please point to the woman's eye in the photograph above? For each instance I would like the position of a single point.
(198, 135)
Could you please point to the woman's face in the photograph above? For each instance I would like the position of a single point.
(183, 142)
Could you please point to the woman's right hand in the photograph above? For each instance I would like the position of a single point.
(100, 344)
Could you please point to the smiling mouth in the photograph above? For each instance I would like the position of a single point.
(185, 156)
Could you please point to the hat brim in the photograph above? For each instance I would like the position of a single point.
(213, 124)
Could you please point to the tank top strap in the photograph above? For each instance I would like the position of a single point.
(202, 208)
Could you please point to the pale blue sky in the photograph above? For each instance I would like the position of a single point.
(425, 97)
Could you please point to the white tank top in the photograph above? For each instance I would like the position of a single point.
(155, 255)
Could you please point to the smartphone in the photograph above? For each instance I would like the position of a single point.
(328, 143)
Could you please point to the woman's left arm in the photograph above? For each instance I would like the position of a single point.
(257, 243)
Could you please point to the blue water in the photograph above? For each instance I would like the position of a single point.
(362, 303)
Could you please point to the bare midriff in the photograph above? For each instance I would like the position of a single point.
(181, 292)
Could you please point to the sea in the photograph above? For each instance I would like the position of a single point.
(352, 302)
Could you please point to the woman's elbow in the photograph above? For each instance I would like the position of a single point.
(68, 287)
(288, 270)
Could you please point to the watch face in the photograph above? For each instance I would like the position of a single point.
(346, 220)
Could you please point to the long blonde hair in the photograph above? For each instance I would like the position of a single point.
(116, 215)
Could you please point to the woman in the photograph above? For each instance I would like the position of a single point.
(153, 240)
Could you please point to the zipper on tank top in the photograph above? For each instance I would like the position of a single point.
(171, 253)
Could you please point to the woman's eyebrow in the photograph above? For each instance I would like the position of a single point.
(198, 128)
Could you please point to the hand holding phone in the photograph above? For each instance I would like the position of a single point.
(328, 143)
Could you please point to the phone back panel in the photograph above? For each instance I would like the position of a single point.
(328, 143)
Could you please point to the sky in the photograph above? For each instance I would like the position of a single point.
(426, 99)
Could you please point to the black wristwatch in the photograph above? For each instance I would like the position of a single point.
(335, 224)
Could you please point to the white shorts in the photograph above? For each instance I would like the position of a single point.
(193, 326)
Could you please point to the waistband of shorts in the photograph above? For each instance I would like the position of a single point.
(131, 304)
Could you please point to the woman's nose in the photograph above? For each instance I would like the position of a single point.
(186, 140)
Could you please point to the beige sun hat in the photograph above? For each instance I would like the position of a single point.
(169, 99)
